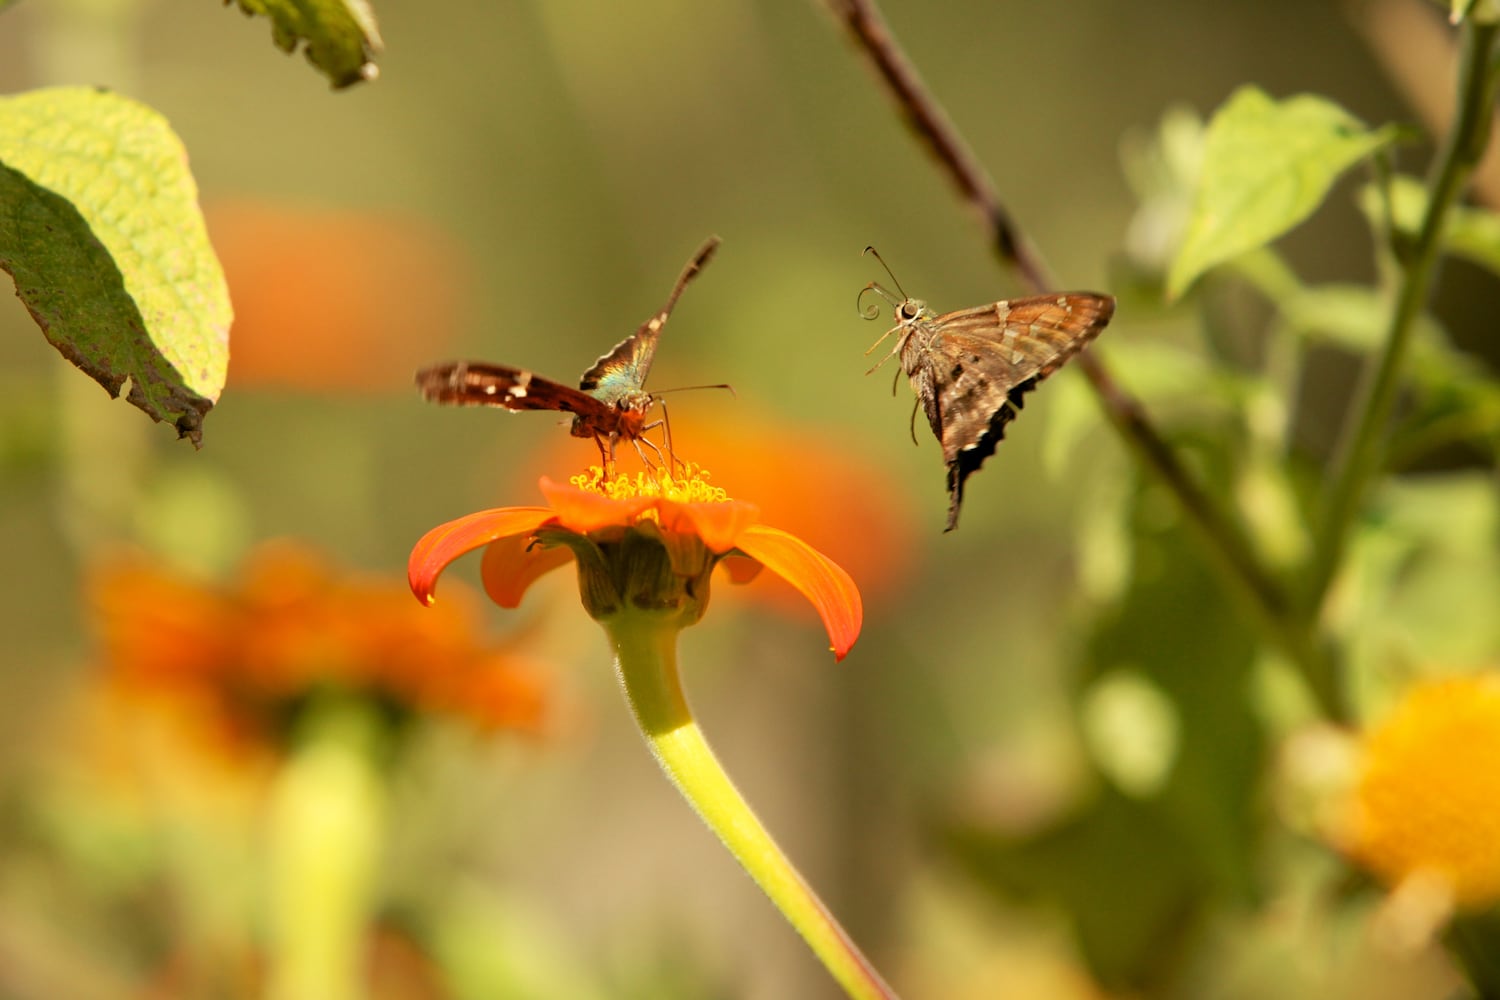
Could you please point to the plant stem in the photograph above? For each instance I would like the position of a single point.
(326, 832)
(646, 664)
(1359, 454)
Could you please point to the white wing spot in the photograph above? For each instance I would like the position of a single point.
(1062, 300)
(490, 390)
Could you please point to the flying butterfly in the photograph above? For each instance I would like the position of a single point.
(971, 368)
(611, 401)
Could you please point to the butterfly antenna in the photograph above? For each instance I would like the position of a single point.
(685, 388)
(871, 251)
(873, 310)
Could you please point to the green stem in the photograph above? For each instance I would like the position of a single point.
(1359, 457)
(327, 817)
(646, 664)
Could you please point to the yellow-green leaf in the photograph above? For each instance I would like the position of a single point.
(1267, 165)
(1469, 232)
(341, 35)
(101, 230)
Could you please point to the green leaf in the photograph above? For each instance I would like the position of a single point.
(341, 35)
(100, 228)
(1266, 166)
(1143, 868)
(1124, 877)
(1471, 233)
(1162, 169)
(1422, 580)
(1355, 318)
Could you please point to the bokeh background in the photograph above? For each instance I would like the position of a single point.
(522, 184)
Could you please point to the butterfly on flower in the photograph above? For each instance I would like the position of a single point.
(610, 403)
(970, 368)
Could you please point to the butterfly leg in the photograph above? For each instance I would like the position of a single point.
(894, 351)
(900, 342)
(666, 424)
(606, 455)
(637, 441)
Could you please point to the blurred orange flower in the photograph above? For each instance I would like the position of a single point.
(599, 522)
(335, 299)
(1426, 801)
(292, 625)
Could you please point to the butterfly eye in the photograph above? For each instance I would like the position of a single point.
(909, 310)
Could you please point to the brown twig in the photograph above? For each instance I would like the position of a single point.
(1225, 540)
(931, 125)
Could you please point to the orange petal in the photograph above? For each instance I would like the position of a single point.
(445, 543)
(821, 580)
(512, 564)
(719, 524)
(582, 511)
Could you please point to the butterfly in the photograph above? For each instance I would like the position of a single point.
(970, 368)
(610, 402)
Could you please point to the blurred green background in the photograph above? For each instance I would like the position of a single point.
(559, 162)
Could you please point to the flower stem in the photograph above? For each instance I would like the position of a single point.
(1359, 456)
(646, 665)
(327, 817)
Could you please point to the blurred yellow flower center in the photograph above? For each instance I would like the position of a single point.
(1426, 801)
(691, 487)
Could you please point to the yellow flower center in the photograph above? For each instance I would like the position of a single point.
(691, 487)
(1426, 801)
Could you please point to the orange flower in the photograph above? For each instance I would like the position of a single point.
(1425, 804)
(646, 548)
(807, 481)
(647, 543)
(291, 626)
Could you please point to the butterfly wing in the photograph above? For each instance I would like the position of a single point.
(971, 369)
(620, 375)
(478, 383)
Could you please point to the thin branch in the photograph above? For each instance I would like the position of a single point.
(1229, 547)
(931, 125)
(1359, 456)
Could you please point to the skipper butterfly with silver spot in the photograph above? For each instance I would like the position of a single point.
(970, 368)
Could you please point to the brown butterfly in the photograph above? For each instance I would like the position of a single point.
(970, 368)
(610, 402)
